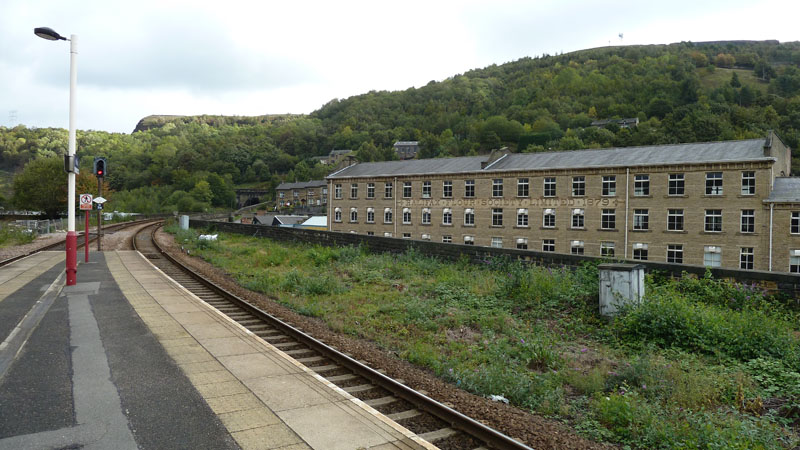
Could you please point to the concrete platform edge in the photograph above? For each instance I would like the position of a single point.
(288, 359)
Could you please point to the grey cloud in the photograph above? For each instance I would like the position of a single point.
(194, 53)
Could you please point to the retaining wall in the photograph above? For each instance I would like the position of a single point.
(774, 282)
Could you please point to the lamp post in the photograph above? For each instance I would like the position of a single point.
(72, 237)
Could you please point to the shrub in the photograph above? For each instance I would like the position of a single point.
(296, 282)
(526, 288)
(624, 414)
(669, 319)
(531, 391)
(775, 377)
(12, 235)
(594, 380)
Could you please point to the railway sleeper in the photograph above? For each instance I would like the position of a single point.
(360, 388)
(341, 378)
(375, 402)
(310, 360)
(403, 415)
(438, 435)
(271, 335)
(299, 351)
(246, 322)
(286, 345)
(325, 368)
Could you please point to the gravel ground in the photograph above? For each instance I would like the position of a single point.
(535, 431)
(119, 240)
(39, 242)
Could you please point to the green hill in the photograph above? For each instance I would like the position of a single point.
(683, 92)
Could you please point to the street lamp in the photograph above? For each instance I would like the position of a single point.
(72, 237)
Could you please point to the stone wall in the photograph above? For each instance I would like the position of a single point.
(775, 282)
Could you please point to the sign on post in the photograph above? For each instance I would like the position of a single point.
(86, 202)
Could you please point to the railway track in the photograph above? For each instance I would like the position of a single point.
(60, 244)
(436, 423)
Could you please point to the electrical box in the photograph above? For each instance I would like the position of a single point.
(620, 285)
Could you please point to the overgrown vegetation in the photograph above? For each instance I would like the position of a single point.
(703, 363)
(11, 234)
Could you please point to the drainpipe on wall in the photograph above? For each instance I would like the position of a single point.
(771, 205)
(627, 187)
(330, 206)
(395, 216)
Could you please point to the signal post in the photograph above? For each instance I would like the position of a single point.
(100, 172)
(86, 205)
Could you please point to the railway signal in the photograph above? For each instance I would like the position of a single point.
(100, 167)
(100, 171)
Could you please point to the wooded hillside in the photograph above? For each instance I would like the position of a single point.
(680, 93)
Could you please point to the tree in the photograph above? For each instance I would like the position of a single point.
(699, 59)
(764, 70)
(42, 186)
(724, 60)
(202, 192)
(735, 81)
(658, 107)
(746, 96)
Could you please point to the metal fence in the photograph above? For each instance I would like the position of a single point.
(41, 226)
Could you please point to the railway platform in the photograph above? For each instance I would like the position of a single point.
(127, 359)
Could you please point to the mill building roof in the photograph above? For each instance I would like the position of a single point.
(785, 190)
(692, 153)
(339, 152)
(301, 185)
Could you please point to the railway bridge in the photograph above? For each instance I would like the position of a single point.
(248, 197)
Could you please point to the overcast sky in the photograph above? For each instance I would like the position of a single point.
(144, 57)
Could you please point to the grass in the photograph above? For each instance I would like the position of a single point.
(11, 235)
(702, 364)
(721, 77)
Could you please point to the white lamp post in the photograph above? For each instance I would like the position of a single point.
(72, 237)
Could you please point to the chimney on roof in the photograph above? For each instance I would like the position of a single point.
(768, 143)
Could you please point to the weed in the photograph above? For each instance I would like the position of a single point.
(539, 355)
(674, 369)
(624, 413)
(669, 319)
(589, 382)
(13, 235)
(776, 379)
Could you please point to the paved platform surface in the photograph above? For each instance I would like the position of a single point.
(128, 359)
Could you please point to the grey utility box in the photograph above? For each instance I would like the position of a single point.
(184, 222)
(620, 284)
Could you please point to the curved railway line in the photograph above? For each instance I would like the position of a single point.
(436, 423)
(60, 244)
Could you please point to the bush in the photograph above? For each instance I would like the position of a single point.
(526, 288)
(624, 414)
(298, 283)
(12, 235)
(775, 378)
(669, 319)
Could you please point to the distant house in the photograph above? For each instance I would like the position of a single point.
(278, 220)
(264, 219)
(288, 221)
(305, 193)
(337, 155)
(315, 223)
(406, 149)
(622, 123)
